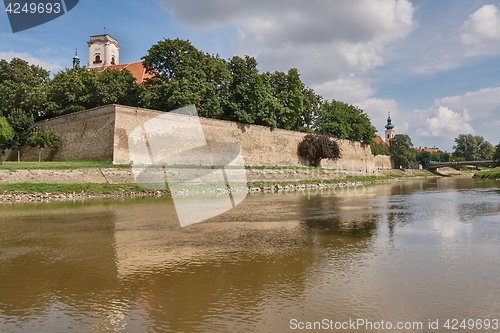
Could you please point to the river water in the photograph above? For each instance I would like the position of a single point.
(419, 251)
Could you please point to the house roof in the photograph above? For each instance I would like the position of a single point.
(430, 150)
(136, 68)
(378, 139)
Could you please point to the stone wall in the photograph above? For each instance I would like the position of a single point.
(102, 134)
(259, 144)
(85, 135)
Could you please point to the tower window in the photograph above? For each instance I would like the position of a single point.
(97, 59)
(113, 61)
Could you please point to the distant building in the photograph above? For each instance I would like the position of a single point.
(389, 130)
(104, 54)
(430, 150)
(389, 133)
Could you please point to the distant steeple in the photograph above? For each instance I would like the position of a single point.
(389, 130)
(76, 59)
(389, 125)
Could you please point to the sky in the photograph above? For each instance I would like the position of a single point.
(434, 65)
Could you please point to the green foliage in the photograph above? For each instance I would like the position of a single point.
(473, 148)
(6, 133)
(183, 75)
(76, 89)
(496, 156)
(22, 87)
(345, 121)
(41, 139)
(402, 152)
(314, 147)
(440, 157)
(379, 149)
(21, 123)
(423, 157)
(490, 174)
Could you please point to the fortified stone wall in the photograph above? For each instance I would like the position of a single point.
(102, 134)
(85, 135)
(259, 144)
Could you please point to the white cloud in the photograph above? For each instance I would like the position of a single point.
(346, 88)
(481, 32)
(48, 65)
(358, 91)
(445, 122)
(321, 38)
(475, 112)
(434, 68)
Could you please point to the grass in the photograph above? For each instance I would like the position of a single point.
(352, 179)
(490, 174)
(69, 165)
(69, 188)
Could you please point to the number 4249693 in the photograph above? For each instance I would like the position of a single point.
(33, 8)
(471, 324)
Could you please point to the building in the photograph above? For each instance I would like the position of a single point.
(389, 130)
(389, 133)
(103, 51)
(104, 54)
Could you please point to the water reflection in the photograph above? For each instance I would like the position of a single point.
(403, 251)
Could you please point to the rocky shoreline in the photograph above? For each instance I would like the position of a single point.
(33, 197)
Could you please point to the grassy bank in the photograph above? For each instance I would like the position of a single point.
(90, 188)
(490, 174)
(70, 165)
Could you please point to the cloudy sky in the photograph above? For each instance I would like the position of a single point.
(435, 65)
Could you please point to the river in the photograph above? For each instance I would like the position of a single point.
(420, 251)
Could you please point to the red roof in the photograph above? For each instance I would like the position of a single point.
(378, 139)
(136, 68)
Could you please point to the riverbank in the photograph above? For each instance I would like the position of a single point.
(489, 174)
(104, 183)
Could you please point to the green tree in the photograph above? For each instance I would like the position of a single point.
(423, 157)
(22, 87)
(472, 148)
(76, 89)
(41, 139)
(402, 152)
(251, 98)
(345, 122)
(496, 156)
(314, 148)
(379, 149)
(6, 134)
(183, 75)
(21, 123)
(440, 157)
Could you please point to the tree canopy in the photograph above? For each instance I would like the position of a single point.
(345, 121)
(472, 148)
(314, 148)
(402, 151)
(6, 133)
(232, 89)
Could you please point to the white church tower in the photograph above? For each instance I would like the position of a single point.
(103, 51)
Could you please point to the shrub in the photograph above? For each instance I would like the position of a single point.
(316, 147)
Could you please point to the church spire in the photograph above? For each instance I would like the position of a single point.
(76, 59)
(389, 125)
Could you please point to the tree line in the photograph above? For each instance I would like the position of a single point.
(232, 89)
(467, 147)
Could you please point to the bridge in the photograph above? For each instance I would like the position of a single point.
(435, 165)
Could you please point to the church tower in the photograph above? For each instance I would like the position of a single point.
(103, 51)
(389, 130)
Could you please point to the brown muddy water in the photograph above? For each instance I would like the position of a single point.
(416, 254)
